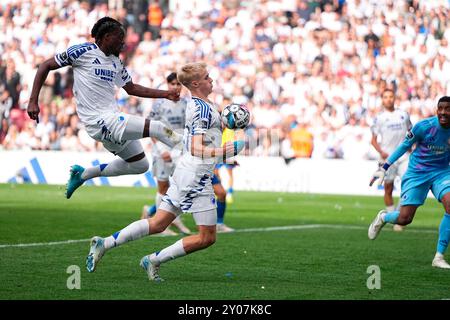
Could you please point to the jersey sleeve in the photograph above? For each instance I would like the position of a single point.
(201, 119)
(123, 77)
(64, 58)
(71, 56)
(412, 136)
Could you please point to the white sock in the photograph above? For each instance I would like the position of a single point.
(117, 167)
(174, 251)
(133, 231)
(390, 208)
(164, 134)
(91, 172)
(158, 199)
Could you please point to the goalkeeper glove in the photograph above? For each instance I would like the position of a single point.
(379, 174)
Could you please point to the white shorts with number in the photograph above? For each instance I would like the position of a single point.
(110, 128)
(191, 192)
(161, 169)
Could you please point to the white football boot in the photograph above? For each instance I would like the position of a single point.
(95, 253)
(376, 225)
(439, 261)
(151, 269)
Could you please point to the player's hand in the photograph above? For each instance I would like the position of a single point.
(379, 174)
(232, 148)
(166, 156)
(173, 94)
(33, 110)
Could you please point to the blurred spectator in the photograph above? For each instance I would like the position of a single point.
(155, 18)
(302, 141)
(322, 63)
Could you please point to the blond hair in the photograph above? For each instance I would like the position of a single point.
(190, 72)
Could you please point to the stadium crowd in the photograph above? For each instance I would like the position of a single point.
(311, 72)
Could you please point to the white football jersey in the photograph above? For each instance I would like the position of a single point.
(95, 76)
(391, 128)
(201, 118)
(172, 114)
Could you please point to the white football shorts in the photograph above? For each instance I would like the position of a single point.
(191, 192)
(110, 128)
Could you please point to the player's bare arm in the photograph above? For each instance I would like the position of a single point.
(41, 75)
(144, 92)
(377, 147)
(229, 149)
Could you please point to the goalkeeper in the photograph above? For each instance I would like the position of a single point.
(428, 169)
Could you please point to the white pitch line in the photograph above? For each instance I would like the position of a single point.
(38, 244)
(281, 228)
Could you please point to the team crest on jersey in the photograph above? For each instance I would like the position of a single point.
(409, 135)
(63, 56)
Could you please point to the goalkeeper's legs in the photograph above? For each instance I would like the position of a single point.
(444, 235)
(402, 217)
(389, 201)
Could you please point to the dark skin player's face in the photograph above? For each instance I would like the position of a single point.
(114, 41)
(443, 114)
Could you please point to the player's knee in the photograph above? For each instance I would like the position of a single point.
(221, 195)
(207, 240)
(404, 220)
(446, 202)
(155, 226)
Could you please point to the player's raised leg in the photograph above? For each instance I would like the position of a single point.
(132, 160)
(402, 217)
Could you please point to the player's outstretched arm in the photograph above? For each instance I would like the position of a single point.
(41, 75)
(134, 89)
(401, 150)
(228, 150)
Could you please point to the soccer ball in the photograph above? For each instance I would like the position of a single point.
(235, 116)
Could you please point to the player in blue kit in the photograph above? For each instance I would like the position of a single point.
(428, 169)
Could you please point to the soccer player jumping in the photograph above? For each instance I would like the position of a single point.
(97, 70)
(428, 169)
(190, 189)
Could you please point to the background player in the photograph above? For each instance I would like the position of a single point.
(428, 169)
(191, 189)
(388, 131)
(164, 158)
(221, 196)
(97, 70)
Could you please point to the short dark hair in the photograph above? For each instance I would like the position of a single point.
(388, 89)
(104, 26)
(444, 99)
(171, 77)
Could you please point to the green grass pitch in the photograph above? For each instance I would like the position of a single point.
(324, 252)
